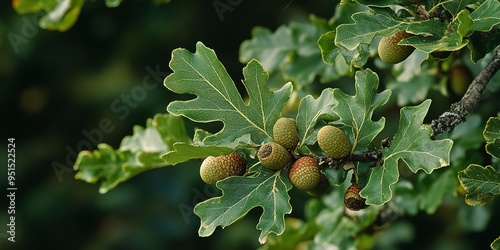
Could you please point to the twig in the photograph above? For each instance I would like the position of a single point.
(373, 155)
(459, 110)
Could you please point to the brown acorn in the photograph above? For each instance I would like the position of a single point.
(352, 200)
(305, 173)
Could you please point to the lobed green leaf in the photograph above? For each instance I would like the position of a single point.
(266, 189)
(330, 54)
(413, 145)
(454, 7)
(482, 43)
(310, 111)
(495, 245)
(492, 135)
(444, 36)
(486, 15)
(137, 153)
(366, 26)
(481, 184)
(355, 112)
(218, 99)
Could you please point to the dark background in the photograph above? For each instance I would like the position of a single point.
(59, 84)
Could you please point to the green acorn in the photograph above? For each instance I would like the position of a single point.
(389, 50)
(333, 142)
(273, 156)
(305, 173)
(322, 186)
(460, 79)
(220, 167)
(352, 200)
(285, 133)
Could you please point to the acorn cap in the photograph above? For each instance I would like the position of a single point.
(352, 200)
(273, 156)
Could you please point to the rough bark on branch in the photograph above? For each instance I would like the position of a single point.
(459, 110)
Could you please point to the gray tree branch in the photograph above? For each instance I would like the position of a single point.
(459, 110)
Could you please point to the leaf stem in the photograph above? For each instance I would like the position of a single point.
(459, 110)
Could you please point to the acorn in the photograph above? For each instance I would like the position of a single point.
(273, 156)
(460, 79)
(214, 169)
(334, 142)
(305, 173)
(389, 50)
(285, 133)
(352, 200)
(321, 188)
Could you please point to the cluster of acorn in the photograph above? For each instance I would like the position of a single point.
(304, 171)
